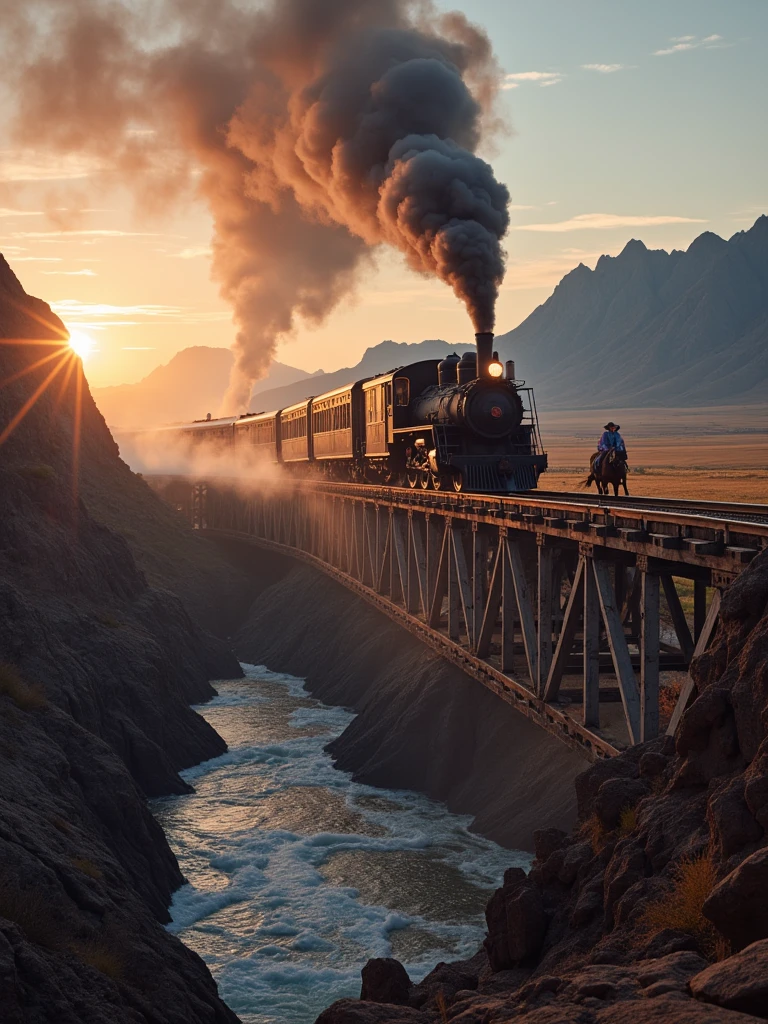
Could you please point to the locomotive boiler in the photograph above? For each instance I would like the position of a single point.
(452, 424)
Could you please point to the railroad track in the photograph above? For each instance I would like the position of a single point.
(732, 511)
(727, 511)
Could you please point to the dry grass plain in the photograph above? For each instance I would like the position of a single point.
(720, 454)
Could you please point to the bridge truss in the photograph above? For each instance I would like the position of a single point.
(569, 610)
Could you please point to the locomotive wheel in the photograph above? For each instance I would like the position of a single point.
(458, 482)
(413, 478)
(424, 479)
(441, 481)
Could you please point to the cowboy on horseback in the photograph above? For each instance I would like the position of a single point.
(608, 466)
(611, 440)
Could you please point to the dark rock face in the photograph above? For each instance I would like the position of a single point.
(350, 1011)
(516, 922)
(738, 983)
(738, 906)
(97, 671)
(385, 981)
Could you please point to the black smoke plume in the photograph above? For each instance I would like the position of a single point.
(315, 130)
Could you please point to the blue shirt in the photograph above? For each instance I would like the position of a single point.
(610, 439)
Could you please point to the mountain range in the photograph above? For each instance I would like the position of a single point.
(644, 328)
(186, 388)
(648, 327)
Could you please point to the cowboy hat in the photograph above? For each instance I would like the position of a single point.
(610, 425)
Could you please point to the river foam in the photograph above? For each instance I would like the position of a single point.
(297, 874)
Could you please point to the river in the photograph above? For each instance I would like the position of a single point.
(297, 875)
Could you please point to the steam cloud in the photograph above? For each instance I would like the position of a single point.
(315, 130)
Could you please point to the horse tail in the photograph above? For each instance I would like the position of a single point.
(586, 484)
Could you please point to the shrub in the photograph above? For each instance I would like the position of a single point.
(87, 867)
(31, 911)
(595, 833)
(41, 471)
(101, 956)
(26, 696)
(442, 1007)
(107, 619)
(668, 696)
(627, 821)
(680, 908)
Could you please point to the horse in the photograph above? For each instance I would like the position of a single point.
(612, 470)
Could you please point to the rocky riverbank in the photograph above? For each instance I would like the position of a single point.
(655, 908)
(97, 672)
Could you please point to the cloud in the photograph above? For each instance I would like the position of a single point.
(6, 212)
(37, 259)
(25, 166)
(606, 221)
(94, 316)
(604, 69)
(681, 43)
(193, 252)
(520, 206)
(541, 78)
(70, 273)
(95, 310)
(100, 233)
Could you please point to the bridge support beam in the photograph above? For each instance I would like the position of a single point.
(522, 601)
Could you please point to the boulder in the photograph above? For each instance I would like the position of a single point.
(516, 922)
(738, 983)
(353, 1011)
(546, 841)
(445, 980)
(385, 980)
(576, 857)
(589, 782)
(669, 973)
(652, 764)
(731, 822)
(738, 905)
(617, 795)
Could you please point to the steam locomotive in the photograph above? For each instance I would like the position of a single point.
(458, 424)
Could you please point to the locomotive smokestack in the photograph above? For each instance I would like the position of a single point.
(484, 342)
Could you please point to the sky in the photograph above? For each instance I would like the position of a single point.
(623, 120)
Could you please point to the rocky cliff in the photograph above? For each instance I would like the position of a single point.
(655, 908)
(422, 724)
(97, 671)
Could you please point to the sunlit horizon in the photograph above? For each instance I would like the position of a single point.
(82, 344)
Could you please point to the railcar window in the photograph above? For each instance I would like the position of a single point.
(296, 426)
(374, 405)
(402, 391)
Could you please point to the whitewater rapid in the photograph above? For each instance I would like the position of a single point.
(297, 875)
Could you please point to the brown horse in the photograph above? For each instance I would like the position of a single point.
(612, 470)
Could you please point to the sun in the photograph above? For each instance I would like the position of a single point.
(81, 344)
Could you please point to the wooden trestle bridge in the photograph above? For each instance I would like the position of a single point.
(552, 601)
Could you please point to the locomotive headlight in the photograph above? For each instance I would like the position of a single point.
(495, 369)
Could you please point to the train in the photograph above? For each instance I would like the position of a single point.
(459, 424)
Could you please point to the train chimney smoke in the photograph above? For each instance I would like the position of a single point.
(314, 131)
(484, 342)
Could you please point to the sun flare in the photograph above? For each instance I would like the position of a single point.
(81, 344)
